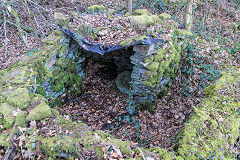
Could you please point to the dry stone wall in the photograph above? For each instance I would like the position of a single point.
(211, 132)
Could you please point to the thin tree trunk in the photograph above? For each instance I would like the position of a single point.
(188, 15)
(129, 5)
(24, 2)
(18, 22)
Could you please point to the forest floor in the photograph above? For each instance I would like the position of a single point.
(214, 39)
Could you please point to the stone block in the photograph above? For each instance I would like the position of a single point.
(39, 112)
(19, 98)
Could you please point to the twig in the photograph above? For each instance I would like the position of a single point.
(5, 35)
(141, 153)
(38, 5)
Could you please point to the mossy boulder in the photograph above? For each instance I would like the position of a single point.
(20, 120)
(39, 112)
(214, 128)
(143, 20)
(141, 11)
(15, 76)
(8, 114)
(19, 98)
(165, 16)
(95, 8)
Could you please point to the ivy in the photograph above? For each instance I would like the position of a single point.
(191, 61)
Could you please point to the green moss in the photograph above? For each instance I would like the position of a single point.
(19, 98)
(148, 83)
(214, 127)
(41, 91)
(183, 32)
(124, 146)
(43, 72)
(53, 39)
(161, 51)
(53, 146)
(55, 112)
(61, 19)
(75, 14)
(14, 76)
(95, 8)
(111, 11)
(4, 140)
(149, 59)
(131, 40)
(61, 50)
(165, 16)
(89, 141)
(153, 66)
(162, 152)
(20, 120)
(36, 98)
(104, 136)
(141, 11)
(225, 79)
(158, 57)
(143, 20)
(127, 14)
(7, 111)
(39, 112)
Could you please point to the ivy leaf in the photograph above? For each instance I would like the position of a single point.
(131, 110)
(127, 118)
(35, 50)
(110, 149)
(29, 53)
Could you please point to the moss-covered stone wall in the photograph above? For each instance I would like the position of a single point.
(154, 67)
(210, 133)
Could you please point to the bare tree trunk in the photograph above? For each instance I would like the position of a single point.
(188, 15)
(129, 5)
